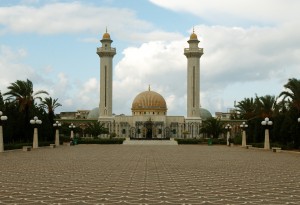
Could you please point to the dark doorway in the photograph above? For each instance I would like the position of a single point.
(148, 125)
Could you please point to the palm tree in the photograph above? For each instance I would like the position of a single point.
(246, 108)
(95, 129)
(212, 127)
(21, 93)
(50, 105)
(265, 105)
(292, 93)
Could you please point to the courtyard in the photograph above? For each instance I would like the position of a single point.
(120, 174)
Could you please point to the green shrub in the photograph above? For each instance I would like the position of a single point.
(20, 145)
(101, 141)
(237, 139)
(200, 141)
(188, 141)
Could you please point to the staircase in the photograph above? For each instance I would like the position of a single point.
(150, 142)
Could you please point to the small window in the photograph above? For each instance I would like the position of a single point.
(123, 131)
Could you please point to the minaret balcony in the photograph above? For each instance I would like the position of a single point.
(187, 50)
(106, 49)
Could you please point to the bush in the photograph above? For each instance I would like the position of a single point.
(200, 141)
(237, 139)
(101, 141)
(188, 141)
(20, 145)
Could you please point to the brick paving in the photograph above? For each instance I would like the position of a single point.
(119, 174)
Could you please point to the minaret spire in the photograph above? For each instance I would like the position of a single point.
(106, 54)
(149, 88)
(193, 55)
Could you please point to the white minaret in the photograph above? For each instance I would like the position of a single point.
(106, 54)
(193, 54)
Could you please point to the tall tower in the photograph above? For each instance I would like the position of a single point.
(193, 54)
(106, 54)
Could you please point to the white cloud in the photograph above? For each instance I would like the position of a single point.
(11, 68)
(67, 18)
(76, 17)
(234, 58)
(158, 64)
(237, 12)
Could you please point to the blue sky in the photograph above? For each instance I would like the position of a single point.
(250, 47)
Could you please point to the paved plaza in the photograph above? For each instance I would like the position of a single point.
(120, 174)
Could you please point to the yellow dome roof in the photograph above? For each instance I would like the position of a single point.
(193, 36)
(106, 36)
(149, 101)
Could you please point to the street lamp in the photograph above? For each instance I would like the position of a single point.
(244, 127)
(267, 123)
(72, 127)
(2, 119)
(56, 125)
(228, 128)
(35, 122)
(299, 119)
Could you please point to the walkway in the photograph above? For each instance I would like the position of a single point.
(118, 174)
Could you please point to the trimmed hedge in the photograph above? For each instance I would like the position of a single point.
(20, 145)
(200, 141)
(101, 141)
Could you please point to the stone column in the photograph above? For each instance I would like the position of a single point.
(227, 138)
(72, 134)
(35, 138)
(244, 138)
(1, 140)
(57, 137)
(267, 139)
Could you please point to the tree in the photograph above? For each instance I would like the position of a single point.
(21, 93)
(95, 129)
(212, 127)
(1, 102)
(265, 105)
(292, 93)
(50, 105)
(247, 108)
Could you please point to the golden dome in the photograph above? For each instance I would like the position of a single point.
(106, 36)
(149, 102)
(193, 36)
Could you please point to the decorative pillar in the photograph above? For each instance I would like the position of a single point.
(2, 119)
(35, 122)
(267, 123)
(56, 125)
(228, 128)
(244, 126)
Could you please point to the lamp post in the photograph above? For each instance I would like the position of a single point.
(56, 125)
(2, 119)
(244, 127)
(35, 122)
(267, 123)
(228, 128)
(72, 127)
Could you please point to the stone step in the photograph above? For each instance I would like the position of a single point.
(150, 142)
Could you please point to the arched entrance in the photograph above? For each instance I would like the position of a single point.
(149, 127)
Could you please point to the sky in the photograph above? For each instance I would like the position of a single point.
(251, 47)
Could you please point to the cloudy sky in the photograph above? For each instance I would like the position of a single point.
(250, 47)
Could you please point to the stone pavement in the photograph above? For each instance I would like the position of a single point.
(117, 174)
